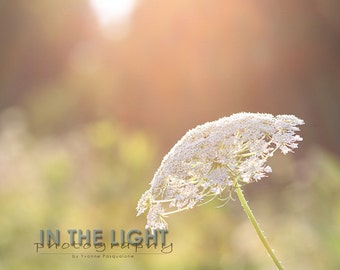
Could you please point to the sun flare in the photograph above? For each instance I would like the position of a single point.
(112, 11)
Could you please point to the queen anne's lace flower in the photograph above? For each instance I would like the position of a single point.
(212, 158)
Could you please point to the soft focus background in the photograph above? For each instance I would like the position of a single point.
(93, 94)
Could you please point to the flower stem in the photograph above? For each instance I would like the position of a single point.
(256, 226)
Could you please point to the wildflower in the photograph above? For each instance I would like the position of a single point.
(213, 158)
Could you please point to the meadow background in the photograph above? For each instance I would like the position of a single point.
(88, 108)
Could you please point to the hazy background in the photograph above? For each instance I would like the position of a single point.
(91, 99)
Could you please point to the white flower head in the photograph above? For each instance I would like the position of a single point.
(212, 158)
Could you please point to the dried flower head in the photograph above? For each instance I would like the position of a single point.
(213, 158)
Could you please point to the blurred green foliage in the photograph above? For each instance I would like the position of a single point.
(92, 176)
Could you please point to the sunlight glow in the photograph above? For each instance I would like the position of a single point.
(113, 11)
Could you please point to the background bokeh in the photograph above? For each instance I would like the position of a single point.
(88, 109)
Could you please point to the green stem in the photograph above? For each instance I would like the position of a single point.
(256, 226)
